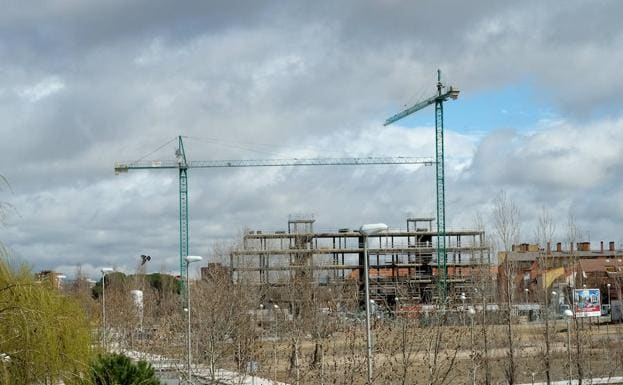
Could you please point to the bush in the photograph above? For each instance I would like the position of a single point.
(118, 369)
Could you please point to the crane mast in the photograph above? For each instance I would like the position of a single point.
(182, 164)
(442, 257)
(183, 167)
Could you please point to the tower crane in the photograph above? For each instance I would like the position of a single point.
(443, 94)
(182, 164)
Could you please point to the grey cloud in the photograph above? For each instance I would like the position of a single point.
(301, 78)
(68, 27)
(137, 213)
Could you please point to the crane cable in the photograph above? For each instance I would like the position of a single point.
(156, 150)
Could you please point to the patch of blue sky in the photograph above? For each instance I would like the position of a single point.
(516, 107)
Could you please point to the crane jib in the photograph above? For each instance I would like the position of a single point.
(451, 94)
(172, 164)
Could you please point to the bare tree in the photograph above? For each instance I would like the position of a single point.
(5, 207)
(441, 351)
(543, 234)
(573, 234)
(80, 290)
(223, 327)
(506, 217)
(482, 295)
(423, 346)
(401, 343)
(545, 227)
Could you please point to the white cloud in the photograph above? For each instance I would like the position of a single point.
(567, 168)
(291, 80)
(42, 89)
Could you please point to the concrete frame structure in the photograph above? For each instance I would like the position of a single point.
(403, 266)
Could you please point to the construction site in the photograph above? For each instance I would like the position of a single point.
(403, 266)
(301, 291)
(423, 263)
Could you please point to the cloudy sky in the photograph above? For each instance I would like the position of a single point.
(84, 84)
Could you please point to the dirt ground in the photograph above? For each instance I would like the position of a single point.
(446, 355)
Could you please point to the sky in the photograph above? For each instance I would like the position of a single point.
(84, 84)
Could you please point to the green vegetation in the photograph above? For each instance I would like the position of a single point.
(117, 369)
(44, 336)
(163, 284)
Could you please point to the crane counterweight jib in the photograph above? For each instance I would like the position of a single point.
(120, 167)
(454, 94)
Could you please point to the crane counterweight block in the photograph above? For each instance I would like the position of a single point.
(120, 167)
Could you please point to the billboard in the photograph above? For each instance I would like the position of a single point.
(586, 303)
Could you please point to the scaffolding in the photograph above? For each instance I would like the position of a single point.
(402, 263)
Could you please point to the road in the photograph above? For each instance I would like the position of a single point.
(170, 370)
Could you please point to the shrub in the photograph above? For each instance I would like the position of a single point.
(118, 369)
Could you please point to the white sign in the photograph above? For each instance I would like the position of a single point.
(587, 303)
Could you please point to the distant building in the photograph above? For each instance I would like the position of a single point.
(537, 271)
(215, 272)
(55, 279)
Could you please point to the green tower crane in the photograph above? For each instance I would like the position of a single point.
(443, 95)
(183, 165)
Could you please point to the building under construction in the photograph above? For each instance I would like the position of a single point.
(403, 266)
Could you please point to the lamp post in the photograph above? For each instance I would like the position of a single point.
(462, 297)
(367, 230)
(568, 315)
(555, 304)
(189, 259)
(617, 288)
(105, 270)
(609, 308)
(526, 291)
(471, 312)
(274, 327)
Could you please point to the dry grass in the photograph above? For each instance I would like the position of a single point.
(343, 360)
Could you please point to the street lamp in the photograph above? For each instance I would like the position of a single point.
(472, 312)
(609, 310)
(189, 259)
(367, 230)
(105, 270)
(568, 315)
(462, 297)
(526, 290)
(555, 304)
